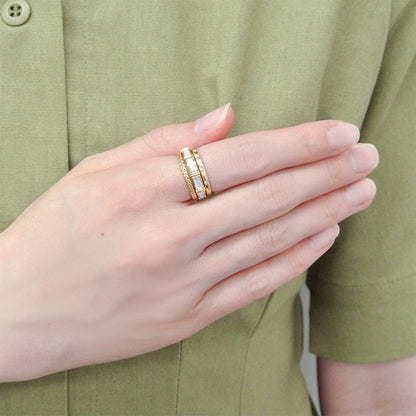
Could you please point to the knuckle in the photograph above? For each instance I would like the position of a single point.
(258, 284)
(122, 197)
(311, 146)
(270, 236)
(308, 141)
(267, 191)
(274, 193)
(333, 209)
(298, 261)
(178, 243)
(166, 254)
(334, 170)
(133, 188)
(245, 153)
(123, 201)
(158, 138)
(158, 255)
(87, 164)
(114, 199)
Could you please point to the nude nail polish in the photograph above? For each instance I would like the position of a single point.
(212, 119)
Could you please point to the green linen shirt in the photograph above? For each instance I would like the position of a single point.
(81, 77)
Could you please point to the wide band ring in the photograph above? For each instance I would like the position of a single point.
(194, 173)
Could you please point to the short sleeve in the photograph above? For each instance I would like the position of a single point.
(363, 291)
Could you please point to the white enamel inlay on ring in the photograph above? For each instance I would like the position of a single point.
(187, 153)
(192, 166)
(198, 182)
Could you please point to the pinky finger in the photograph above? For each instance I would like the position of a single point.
(260, 280)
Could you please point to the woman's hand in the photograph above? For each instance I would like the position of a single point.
(115, 261)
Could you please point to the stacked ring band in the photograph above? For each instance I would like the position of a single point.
(203, 172)
(194, 173)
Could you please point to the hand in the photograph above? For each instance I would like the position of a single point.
(114, 260)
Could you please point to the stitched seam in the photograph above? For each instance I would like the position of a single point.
(86, 78)
(247, 350)
(378, 283)
(178, 377)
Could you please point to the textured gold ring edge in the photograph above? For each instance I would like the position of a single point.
(186, 177)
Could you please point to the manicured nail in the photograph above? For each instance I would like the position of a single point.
(360, 192)
(210, 120)
(322, 239)
(363, 157)
(343, 135)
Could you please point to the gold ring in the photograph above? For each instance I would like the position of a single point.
(194, 173)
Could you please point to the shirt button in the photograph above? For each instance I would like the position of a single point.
(15, 12)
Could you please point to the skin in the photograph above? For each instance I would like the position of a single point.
(373, 389)
(114, 260)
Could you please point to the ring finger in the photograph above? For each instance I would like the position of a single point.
(244, 158)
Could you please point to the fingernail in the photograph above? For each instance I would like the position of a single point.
(343, 135)
(363, 157)
(360, 192)
(211, 119)
(322, 239)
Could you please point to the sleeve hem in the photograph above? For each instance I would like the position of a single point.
(363, 324)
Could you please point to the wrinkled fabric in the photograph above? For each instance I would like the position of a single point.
(81, 77)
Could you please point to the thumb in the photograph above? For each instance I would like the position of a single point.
(166, 140)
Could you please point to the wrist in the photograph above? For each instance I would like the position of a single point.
(12, 357)
(29, 345)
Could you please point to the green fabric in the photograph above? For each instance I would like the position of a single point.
(364, 290)
(80, 77)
